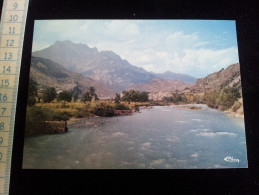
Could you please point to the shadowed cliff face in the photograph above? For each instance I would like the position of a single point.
(49, 73)
(229, 77)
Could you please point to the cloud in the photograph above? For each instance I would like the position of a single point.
(211, 134)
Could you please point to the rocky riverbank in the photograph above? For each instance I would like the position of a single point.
(188, 107)
(88, 122)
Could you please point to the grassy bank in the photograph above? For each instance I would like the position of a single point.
(75, 110)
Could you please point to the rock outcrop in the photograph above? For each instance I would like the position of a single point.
(229, 77)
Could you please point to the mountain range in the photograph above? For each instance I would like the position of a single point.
(105, 67)
(61, 63)
(175, 76)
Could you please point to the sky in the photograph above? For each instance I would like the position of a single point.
(193, 47)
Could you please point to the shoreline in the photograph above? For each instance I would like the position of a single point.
(95, 121)
(88, 122)
(234, 114)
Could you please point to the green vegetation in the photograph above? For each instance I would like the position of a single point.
(36, 113)
(177, 98)
(64, 95)
(121, 106)
(49, 94)
(117, 98)
(224, 99)
(86, 97)
(227, 97)
(32, 92)
(135, 96)
(103, 109)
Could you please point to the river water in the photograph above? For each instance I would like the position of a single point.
(158, 138)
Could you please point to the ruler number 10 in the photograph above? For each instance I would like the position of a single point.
(13, 18)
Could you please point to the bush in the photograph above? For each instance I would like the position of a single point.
(82, 112)
(36, 113)
(227, 97)
(211, 99)
(64, 95)
(121, 107)
(103, 110)
(60, 116)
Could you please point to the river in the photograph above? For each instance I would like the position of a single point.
(159, 138)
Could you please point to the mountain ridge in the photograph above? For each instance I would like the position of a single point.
(105, 67)
(48, 73)
(175, 76)
(228, 77)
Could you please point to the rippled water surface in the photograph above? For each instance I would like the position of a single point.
(157, 138)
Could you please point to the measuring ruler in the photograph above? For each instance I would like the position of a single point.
(13, 20)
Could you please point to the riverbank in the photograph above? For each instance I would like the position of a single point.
(234, 114)
(88, 122)
(188, 107)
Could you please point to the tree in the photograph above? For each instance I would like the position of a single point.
(103, 110)
(135, 96)
(92, 91)
(77, 90)
(32, 92)
(95, 97)
(143, 96)
(86, 97)
(212, 99)
(65, 95)
(117, 98)
(75, 96)
(49, 94)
